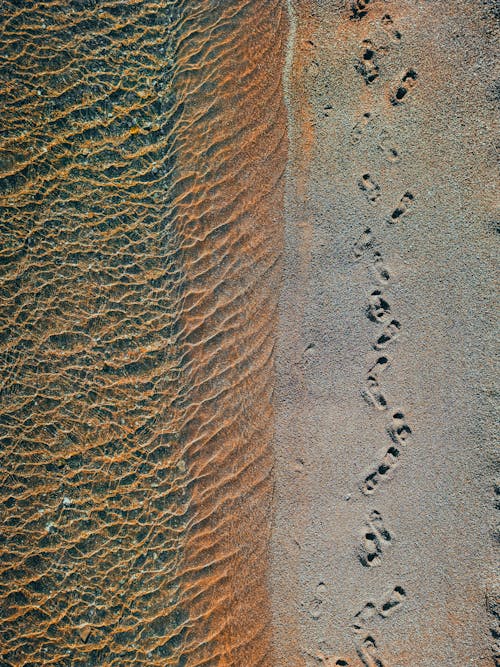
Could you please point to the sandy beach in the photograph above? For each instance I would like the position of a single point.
(247, 334)
(382, 551)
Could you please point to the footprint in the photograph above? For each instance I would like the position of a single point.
(367, 64)
(359, 129)
(381, 273)
(364, 616)
(399, 430)
(371, 550)
(321, 658)
(376, 521)
(387, 24)
(384, 609)
(370, 483)
(359, 9)
(315, 606)
(369, 187)
(393, 603)
(378, 309)
(376, 538)
(364, 243)
(408, 81)
(309, 355)
(389, 334)
(369, 653)
(379, 367)
(388, 148)
(389, 461)
(402, 208)
(373, 395)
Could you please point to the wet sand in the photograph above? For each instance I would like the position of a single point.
(383, 546)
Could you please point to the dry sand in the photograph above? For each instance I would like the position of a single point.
(383, 536)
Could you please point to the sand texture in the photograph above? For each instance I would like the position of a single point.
(382, 553)
(143, 165)
(247, 333)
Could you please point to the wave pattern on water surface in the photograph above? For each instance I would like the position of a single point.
(141, 163)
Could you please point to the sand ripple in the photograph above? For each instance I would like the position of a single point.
(141, 166)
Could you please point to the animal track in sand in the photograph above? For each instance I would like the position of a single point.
(369, 654)
(367, 648)
(369, 187)
(315, 605)
(389, 462)
(376, 538)
(370, 612)
(372, 392)
(381, 272)
(388, 147)
(380, 365)
(322, 658)
(364, 243)
(393, 602)
(359, 9)
(399, 430)
(387, 24)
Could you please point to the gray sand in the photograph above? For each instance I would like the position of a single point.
(418, 548)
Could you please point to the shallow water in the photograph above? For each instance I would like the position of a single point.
(142, 154)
